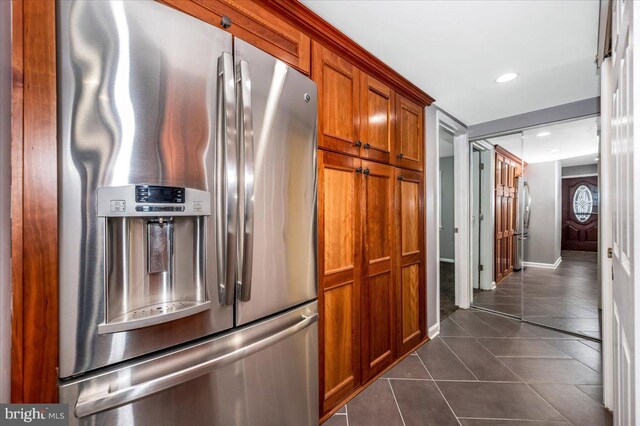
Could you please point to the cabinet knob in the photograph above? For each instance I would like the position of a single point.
(359, 170)
(225, 22)
(365, 171)
(400, 177)
(400, 156)
(357, 144)
(366, 146)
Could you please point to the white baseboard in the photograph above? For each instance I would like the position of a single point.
(434, 330)
(543, 265)
(447, 260)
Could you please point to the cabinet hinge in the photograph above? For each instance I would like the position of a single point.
(481, 268)
(610, 253)
(481, 166)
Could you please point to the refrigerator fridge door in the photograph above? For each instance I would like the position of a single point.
(265, 373)
(277, 109)
(140, 88)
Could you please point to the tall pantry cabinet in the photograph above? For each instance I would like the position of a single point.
(371, 226)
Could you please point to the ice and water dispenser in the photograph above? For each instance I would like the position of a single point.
(155, 240)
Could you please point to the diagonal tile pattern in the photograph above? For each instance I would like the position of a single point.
(486, 369)
(565, 298)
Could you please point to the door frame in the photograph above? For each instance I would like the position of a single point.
(605, 239)
(461, 238)
(487, 235)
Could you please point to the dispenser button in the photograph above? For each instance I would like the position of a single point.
(118, 206)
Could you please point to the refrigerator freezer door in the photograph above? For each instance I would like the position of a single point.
(266, 373)
(138, 103)
(277, 110)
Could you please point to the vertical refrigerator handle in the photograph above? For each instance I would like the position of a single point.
(226, 181)
(245, 127)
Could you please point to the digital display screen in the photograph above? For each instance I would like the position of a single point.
(159, 194)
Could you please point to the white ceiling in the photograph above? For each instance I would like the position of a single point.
(454, 49)
(574, 143)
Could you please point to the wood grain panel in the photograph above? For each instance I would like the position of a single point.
(34, 238)
(410, 221)
(410, 291)
(338, 101)
(378, 334)
(340, 243)
(255, 24)
(338, 325)
(409, 144)
(339, 233)
(377, 119)
(410, 301)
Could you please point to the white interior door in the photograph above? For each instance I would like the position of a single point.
(626, 211)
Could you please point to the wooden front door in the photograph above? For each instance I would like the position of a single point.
(580, 214)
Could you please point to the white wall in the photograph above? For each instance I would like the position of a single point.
(5, 197)
(431, 213)
(586, 169)
(545, 227)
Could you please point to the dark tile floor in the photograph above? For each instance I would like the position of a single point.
(565, 298)
(486, 369)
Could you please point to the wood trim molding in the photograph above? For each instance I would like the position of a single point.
(320, 30)
(34, 204)
(502, 151)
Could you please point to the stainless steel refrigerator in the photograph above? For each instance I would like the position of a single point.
(187, 258)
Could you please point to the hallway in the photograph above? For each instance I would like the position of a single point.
(486, 369)
(564, 298)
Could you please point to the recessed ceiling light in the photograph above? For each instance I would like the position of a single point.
(507, 77)
(543, 134)
(554, 150)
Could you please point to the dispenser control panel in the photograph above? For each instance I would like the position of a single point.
(152, 200)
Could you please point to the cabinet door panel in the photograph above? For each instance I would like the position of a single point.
(376, 120)
(340, 269)
(255, 24)
(378, 290)
(338, 101)
(408, 148)
(411, 297)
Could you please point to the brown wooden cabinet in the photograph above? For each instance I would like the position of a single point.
(371, 270)
(339, 264)
(409, 146)
(508, 169)
(378, 334)
(410, 288)
(377, 117)
(255, 24)
(338, 101)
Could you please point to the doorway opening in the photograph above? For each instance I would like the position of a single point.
(446, 223)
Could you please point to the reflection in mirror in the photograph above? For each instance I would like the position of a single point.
(560, 259)
(496, 182)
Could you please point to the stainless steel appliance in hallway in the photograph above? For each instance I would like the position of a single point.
(187, 223)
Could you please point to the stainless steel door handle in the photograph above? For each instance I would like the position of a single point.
(226, 181)
(247, 143)
(96, 403)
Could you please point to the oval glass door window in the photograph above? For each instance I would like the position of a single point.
(582, 203)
